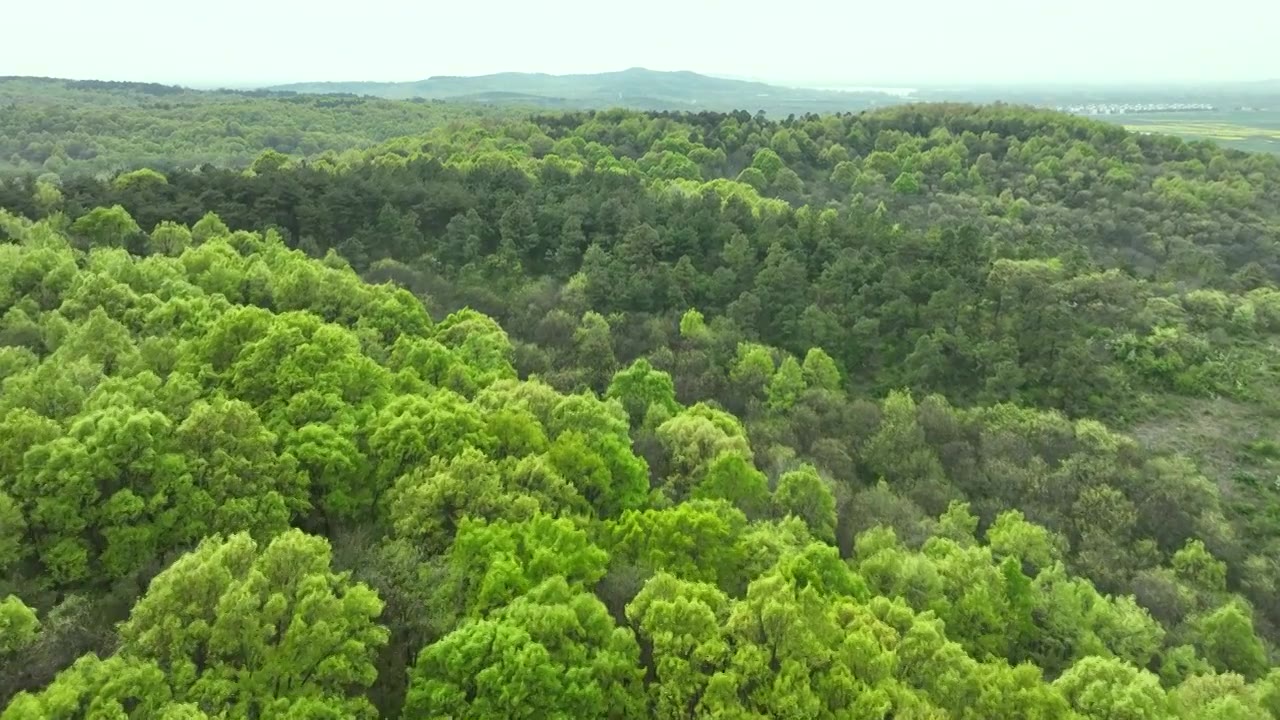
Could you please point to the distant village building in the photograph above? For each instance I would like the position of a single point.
(1127, 108)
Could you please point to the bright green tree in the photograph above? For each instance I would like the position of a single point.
(550, 653)
(18, 626)
(1108, 689)
(107, 227)
(253, 631)
(806, 495)
(1225, 637)
(732, 477)
(640, 387)
(787, 385)
(492, 564)
(684, 624)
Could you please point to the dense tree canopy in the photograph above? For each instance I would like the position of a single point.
(614, 415)
(68, 127)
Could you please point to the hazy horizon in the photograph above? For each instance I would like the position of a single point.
(833, 85)
(254, 43)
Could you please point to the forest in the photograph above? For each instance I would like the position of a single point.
(937, 411)
(85, 127)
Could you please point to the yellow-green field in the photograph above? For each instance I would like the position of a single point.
(1257, 131)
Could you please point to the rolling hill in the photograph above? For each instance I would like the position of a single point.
(636, 88)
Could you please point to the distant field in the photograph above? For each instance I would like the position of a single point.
(1257, 131)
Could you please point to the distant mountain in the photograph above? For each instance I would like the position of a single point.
(635, 88)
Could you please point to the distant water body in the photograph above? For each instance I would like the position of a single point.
(899, 91)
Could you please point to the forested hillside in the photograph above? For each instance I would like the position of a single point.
(904, 414)
(986, 254)
(69, 127)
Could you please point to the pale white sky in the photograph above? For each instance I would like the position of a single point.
(830, 42)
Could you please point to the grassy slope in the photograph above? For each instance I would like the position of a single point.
(1235, 443)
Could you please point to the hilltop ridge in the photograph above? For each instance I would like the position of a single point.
(636, 87)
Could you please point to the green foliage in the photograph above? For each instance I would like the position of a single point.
(115, 687)
(1199, 569)
(47, 197)
(18, 626)
(1106, 688)
(768, 163)
(787, 385)
(107, 227)
(692, 325)
(693, 439)
(1034, 546)
(278, 614)
(642, 390)
(683, 622)
(492, 564)
(804, 494)
(237, 630)
(139, 179)
(553, 651)
(1225, 638)
(882, 472)
(820, 370)
(732, 477)
(105, 127)
(695, 540)
(207, 227)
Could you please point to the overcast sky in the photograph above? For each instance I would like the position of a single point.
(809, 42)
